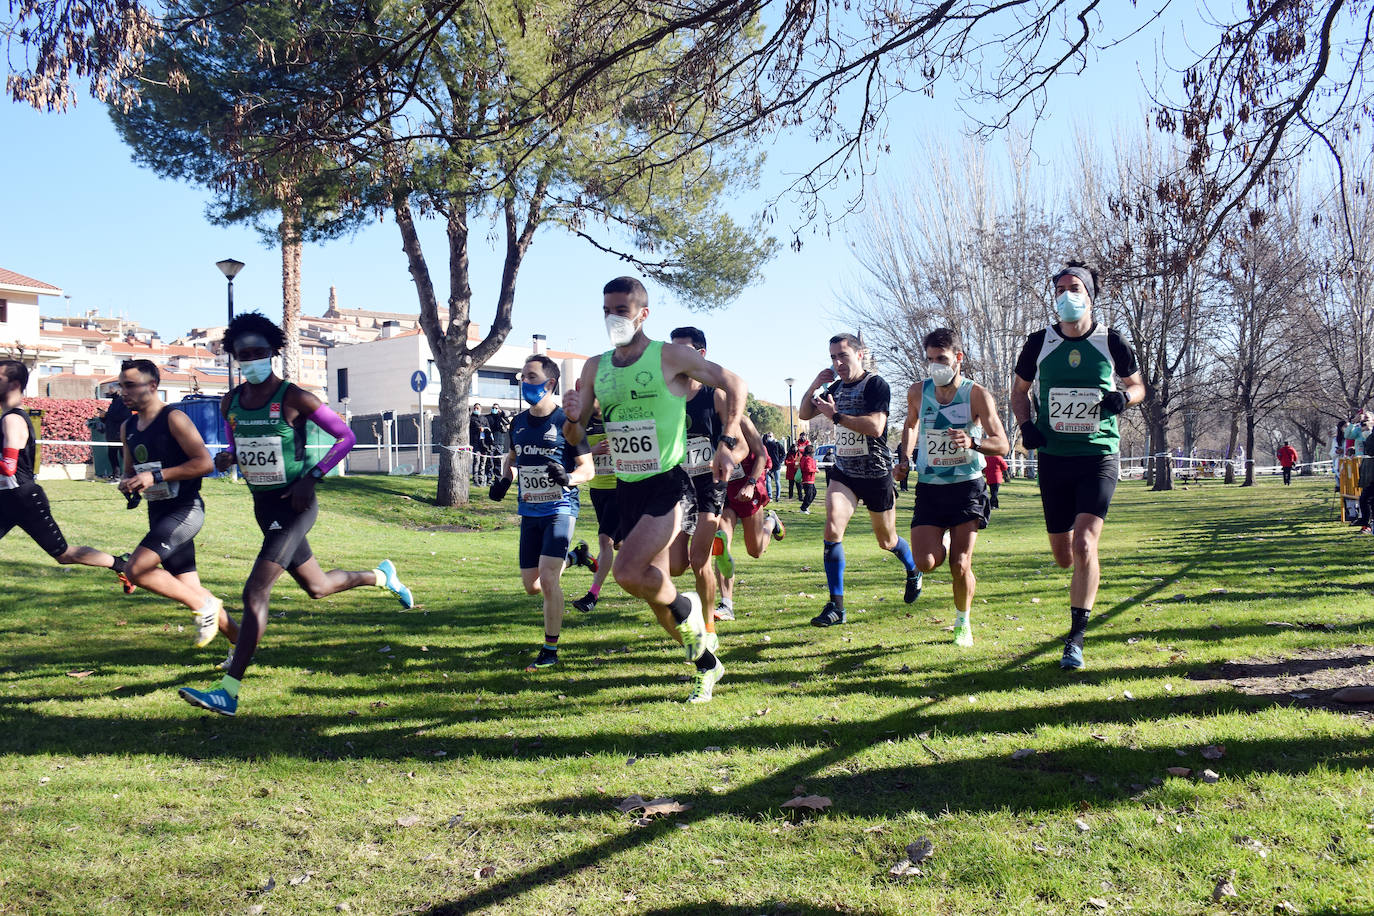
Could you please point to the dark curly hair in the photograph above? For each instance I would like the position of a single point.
(253, 323)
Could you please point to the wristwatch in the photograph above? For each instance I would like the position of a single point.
(729, 442)
(315, 473)
(157, 476)
(837, 418)
(974, 445)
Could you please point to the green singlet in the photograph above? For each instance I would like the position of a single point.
(270, 451)
(645, 422)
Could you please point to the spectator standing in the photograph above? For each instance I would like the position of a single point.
(806, 468)
(776, 453)
(790, 469)
(115, 415)
(994, 472)
(499, 424)
(1287, 458)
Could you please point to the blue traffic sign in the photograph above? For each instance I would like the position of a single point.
(419, 381)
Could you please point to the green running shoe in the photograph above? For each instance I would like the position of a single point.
(693, 629)
(704, 688)
(963, 631)
(725, 564)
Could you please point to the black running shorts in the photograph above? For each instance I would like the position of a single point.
(607, 516)
(949, 505)
(283, 529)
(1071, 485)
(171, 535)
(26, 507)
(878, 494)
(710, 494)
(545, 536)
(655, 497)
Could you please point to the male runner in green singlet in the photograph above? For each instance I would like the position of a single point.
(641, 386)
(265, 421)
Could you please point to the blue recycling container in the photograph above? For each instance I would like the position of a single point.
(203, 409)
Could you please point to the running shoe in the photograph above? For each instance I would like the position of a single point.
(829, 616)
(913, 586)
(1072, 660)
(724, 611)
(705, 685)
(125, 582)
(216, 699)
(228, 660)
(393, 584)
(1366, 530)
(586, 604)
(712, 641)
(546, 658)
(725, 564)
(207, 623)
(963, 631)
(693, 629)
(779, 531)
(583, 557)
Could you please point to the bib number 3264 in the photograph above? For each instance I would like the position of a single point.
(260, 460)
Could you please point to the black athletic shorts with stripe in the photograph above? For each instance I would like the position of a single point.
(283, 528)
(26, 507)
(172, 532)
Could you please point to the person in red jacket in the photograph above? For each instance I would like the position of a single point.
(1287, 458)
(994, 471)
(790, 471)
(806, 464)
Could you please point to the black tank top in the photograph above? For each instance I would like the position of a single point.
(157, 444)
(702, 419)
(24, 469)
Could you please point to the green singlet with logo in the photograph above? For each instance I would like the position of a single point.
(645, 422)
(270, 451)
(1071, 377)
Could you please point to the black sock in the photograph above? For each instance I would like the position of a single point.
(1078, 625)
(680, 607)
(120, 564)
(707, 661)
(838, 601)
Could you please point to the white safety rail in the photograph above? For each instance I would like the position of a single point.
(1214, 468)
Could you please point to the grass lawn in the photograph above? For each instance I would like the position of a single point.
(389, 761)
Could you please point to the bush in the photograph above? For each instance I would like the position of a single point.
(65, 418)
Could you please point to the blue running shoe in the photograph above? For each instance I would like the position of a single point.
(216, 699)
(393, 584)
(1072, 659)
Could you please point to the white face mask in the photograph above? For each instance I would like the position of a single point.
(256, 370)
(940, 374)
(620, 329)
(1070, 305)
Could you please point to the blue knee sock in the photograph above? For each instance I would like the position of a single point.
(834, 570)
(903, 552)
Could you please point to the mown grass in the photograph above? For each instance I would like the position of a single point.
(117, 797)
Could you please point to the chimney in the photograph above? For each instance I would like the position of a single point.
(541, 343)
(390, 329)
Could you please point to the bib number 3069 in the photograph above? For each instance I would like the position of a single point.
(260, 460)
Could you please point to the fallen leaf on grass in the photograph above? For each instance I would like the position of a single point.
(1098, 903)
(1178, 771)
(485, 872)
(410, 820)
(80, 673)
(1021, 754)
(265, 889)
(875, 829)
(809, 802)
(920, 850)
(298, 880)
(1082, 825)
(1283, 906)
(652, 806)
(1210, 776)
(905, 869)
(1214, 752)
(1128, 695)
(1354, 695)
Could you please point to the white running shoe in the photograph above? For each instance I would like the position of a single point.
(228, 660)
(207, 622)
(705, 687)
(693, 629)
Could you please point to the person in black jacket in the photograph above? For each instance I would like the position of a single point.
(115, 415)
(777, 453)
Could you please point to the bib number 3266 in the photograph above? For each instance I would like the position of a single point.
(634, 444)
(260, 460)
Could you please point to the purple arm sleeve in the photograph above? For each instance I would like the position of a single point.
(228, 435)
(333, 424)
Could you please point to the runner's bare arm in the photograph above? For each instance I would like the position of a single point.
(806, 407)
(584, 469)
(16, 437)
(579, 401)
(1020, 400)
(865, 424)
(198, 462)
(1135, 389)
(679, 360)
(994, 441)
(754, 443)
(226, 457)
(907, 444)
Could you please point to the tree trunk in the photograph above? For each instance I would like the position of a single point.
(1249, 450)
(1159, 444)
(1230, 471)
(455, 463)
(290, 237)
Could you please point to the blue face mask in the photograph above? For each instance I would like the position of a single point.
(532, 392)
(1071, 306)
(256, 370)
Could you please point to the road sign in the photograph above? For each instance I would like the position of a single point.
(419, 381)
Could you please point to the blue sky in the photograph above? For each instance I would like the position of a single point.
(80, 215)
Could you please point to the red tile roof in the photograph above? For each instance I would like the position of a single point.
(79, 333)
(10, 278)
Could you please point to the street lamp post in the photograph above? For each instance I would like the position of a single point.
(230, 268)
(791, 428)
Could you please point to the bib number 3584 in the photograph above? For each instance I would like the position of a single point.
(260, 460)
